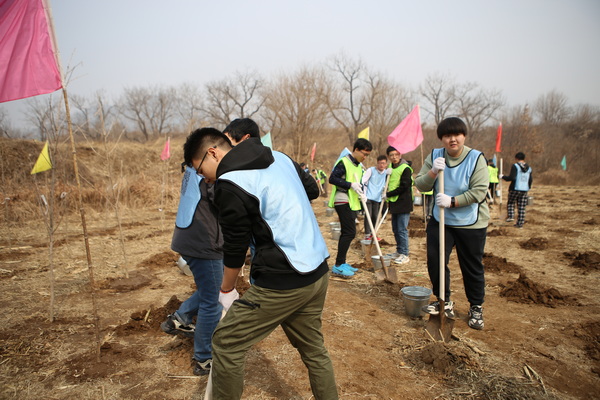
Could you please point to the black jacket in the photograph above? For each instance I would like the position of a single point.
(242, 223)
(404, 204)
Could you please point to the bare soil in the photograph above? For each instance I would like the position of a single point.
(541, 338)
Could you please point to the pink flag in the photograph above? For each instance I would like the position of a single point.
(312, 153)
(166, 153)
(28, 66)
(499, 138)
(408, 135)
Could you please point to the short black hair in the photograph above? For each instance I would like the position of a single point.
(240, 127)
(362, 144)
(198, 141)
(451, 126)
(381, 157)
(520, 156)
(390, 149)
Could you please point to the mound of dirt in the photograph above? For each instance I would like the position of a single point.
(535, 243)
(524, 290)
(590, 333)
(587, 262)
(499, 264)
(417, 233)
(498, 232)
(591, 221)
(445, 358)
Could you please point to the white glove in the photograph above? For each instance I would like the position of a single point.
(439, 164)
(388, 171)
(443, 200)
(357, 188)
(500, 176)
(227, 299)
(383, 196)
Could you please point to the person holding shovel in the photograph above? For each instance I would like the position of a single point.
(261, 199)
(400, 200)
(346, 191)
(466, 216)
(374, 181)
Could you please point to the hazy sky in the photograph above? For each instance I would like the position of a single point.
(524, 48)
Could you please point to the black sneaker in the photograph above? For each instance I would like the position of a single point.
(202, 367)
(434, 309)
(172, 325)
(476, 317)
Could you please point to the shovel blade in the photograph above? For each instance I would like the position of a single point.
(379, 275)
(440, 327)
(390, 274)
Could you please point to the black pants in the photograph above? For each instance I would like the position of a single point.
(348, 233)
(469, 249)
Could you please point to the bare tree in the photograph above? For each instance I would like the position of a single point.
(438, 90)
(551, 108)
(476, 105)
(43, 114)
(189, 106)
(4, 124)
(151, 109)
(295, 101)
(238, 97)
(351, 93)
(391, 104)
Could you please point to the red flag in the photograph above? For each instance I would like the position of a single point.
(28, 66)
(166, 153)
(499, 138)
(408, 135)
(312, 153)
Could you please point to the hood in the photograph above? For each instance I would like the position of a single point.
(249, 154)
(524, 166)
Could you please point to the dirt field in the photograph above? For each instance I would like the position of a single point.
(541, 337)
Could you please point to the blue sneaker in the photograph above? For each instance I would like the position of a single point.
(338, 270)
(348, 267)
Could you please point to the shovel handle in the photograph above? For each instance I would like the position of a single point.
(442, 240)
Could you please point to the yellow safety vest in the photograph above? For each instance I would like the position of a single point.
(354, 173)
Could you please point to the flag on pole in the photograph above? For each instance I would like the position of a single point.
(364, 134)
(266, 140)
(29, 65)
(563, 163)
(313, 151)
(494, 160)
(43, 162)
(499, 138)
(166, 153)
(408, 135)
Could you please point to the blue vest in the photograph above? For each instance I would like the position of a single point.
(285, 208)
(189, 198)
(376, 184)
(522, 181)
(456, 182)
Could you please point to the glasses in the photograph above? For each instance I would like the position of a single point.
(199, 169)
(364, 153)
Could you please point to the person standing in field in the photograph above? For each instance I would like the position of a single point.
(493, 172)
(374, 183)
(261, 199)
(520, 179)
(400, 200)
(466, 182)
(198, 239)
(346, 193)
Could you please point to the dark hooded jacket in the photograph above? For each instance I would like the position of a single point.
(512, 178)
(242, 223)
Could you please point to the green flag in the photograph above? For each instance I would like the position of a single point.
(563, 163)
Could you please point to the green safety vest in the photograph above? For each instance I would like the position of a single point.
(493, 174)
(321, 176)
(395, 181)
(354, 173)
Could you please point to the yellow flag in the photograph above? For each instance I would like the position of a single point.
(364, 133)
(43, 162)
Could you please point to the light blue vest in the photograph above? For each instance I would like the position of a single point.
(285, 208)
(522, 181)
(456, 182)
(376, 184)
(189, 198)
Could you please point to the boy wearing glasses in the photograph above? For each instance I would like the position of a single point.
(261, 199)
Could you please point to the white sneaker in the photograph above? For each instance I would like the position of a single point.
(402, 259)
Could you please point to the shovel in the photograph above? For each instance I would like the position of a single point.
(439, 326)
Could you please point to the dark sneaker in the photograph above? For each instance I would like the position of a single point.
(202, 367)
(434, 309)
(518, 226)
(476, 317)
(172, 325)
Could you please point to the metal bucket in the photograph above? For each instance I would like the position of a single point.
(335, 225)
(529, 200)
(365, 246)
(329, 211)
(377, 262)
(336, 233)
(415, 298)
(418, 201)
(498, 193)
